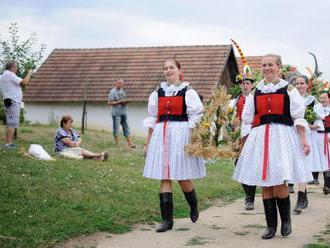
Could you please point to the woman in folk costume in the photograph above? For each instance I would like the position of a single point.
(316, 154)
(273, 152)
(174, 109)
(245, 82)
(323, 122)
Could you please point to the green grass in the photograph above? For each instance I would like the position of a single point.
(323, 239)
(316, 246)
(45, 203)
(197, 240)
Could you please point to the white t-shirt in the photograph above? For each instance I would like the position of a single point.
(10, 86)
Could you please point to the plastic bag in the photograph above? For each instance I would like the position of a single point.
(38, 152)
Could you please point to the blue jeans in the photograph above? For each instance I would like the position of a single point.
(120, 120)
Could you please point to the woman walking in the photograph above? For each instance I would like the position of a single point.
(174, 109)
(273, 152)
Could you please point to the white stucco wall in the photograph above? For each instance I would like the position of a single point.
(98, 115)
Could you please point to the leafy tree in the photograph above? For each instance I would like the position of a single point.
(25, 51)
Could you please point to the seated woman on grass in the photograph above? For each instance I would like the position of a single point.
(68, 141)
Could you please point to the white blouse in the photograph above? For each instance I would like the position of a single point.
(321, 112)
(297, 107)
(192, 100)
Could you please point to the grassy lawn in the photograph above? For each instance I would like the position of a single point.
(44, 203)
(323, 239)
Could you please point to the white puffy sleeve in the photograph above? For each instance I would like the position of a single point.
(297, 109)
(318, 110)
(194, 107)
(247, 115)
(150, 121)
(320, 115)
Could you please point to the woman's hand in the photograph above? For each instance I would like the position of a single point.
(303, 140)
(145, 150)
(305, 146)
(313, 127)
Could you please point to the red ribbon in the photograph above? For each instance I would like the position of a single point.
(326, 148)
(165, 147)
(266, 148)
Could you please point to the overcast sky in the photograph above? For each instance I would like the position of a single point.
(289, 28)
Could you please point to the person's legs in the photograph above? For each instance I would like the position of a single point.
(291, 188)
(166, 206)
(269, 203)
(92, 155)
(302, 200)
(12, 113)
(316, 178)
(281, 193)
(126, 130)
(188, 190)
(115, 128)
(10, 131)
(250, 192)
(326, 188)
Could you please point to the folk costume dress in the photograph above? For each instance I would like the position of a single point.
(249, 190)
(174, 110)
(316, 159)
(321, 162)
(272, 154)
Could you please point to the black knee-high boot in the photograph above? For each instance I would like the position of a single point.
(326, 188)
(316, 178)
(284, 208)
(271, 218)
(305, 202)
(250, 192)
(291, 188)
(193, 203)
(166, 209)
(300, 202)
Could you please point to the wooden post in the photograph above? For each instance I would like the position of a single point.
(83, 117)
(84, 113)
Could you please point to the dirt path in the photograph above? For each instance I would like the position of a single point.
(222, 226)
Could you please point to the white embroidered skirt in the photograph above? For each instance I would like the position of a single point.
(317, 160)
(286, 161)
(166, 158)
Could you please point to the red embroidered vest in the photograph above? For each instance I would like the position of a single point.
(272, 107)
(240, 106)
(172, 108)
(326, 123)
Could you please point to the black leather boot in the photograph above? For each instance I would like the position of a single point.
(193, 203)
(166, 209)
(305, 201)
(291, 188)
(300, 202)
(271, 218)
(284, 209)
(326, 188)
(250, 192)
(316, 178)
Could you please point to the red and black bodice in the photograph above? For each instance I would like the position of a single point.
(240, 106)
(172, 108)
(272, 107)
(326, 123)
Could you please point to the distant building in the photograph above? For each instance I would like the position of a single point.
(58, 87)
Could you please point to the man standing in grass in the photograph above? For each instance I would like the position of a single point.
(10, 85)
(118, 101)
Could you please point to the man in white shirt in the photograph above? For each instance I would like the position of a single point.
(10, 85)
